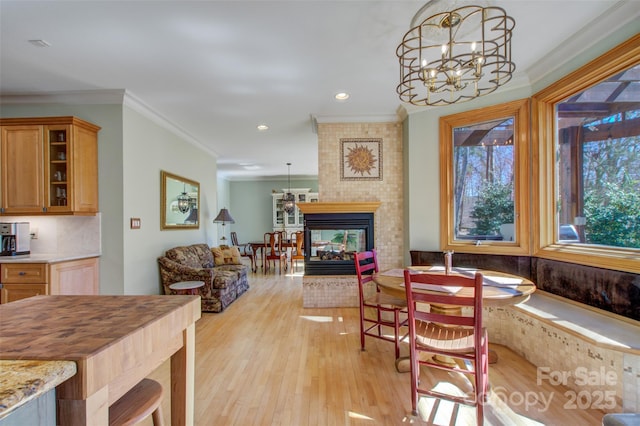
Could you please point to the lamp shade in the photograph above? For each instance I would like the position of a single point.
(224, 217)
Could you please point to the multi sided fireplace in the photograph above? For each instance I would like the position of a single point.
(331, 237)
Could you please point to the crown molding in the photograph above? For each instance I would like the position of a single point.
(132, 101)
(384, 118)
(618, 15)
(104, 97)
(75, 97)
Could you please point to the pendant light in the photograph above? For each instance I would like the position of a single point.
(289, 200)
(183, 201)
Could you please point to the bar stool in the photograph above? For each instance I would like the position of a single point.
(134, 406)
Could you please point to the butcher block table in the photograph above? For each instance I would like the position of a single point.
(115, 341)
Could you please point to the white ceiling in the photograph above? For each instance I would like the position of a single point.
(215, 70)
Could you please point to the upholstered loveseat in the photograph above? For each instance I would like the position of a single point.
(224, 275)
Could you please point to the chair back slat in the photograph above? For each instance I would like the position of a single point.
(366, 263)
(446, 319)
(443, 298)
(298, 242)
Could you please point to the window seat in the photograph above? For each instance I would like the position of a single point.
(593, 325)
(564, 337)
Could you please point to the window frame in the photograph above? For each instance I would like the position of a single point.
(519, 110)
(544, 132)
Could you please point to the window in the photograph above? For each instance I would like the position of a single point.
(588, 176)
(484, 169)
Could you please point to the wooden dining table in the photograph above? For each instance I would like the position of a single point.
(261, 246)
(115, 341)
(499, 289)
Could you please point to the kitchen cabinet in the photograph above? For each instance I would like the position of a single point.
(74, 277)
(78, 277)
(49, 165)
(22, 280)
(294, 221)
(40, 411)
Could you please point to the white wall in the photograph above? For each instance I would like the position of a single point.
(148, 149)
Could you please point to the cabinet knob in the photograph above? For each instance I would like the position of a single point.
(22, 273)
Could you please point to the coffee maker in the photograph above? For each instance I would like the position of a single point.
(14, 238)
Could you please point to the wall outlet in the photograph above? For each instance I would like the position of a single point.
(34, 233)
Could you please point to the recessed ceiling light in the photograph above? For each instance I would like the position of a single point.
(263, 127)
(342, 96)
(40, 43)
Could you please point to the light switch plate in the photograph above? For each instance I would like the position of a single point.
(135, 223)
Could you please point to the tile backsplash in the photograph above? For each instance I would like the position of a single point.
(63, 234)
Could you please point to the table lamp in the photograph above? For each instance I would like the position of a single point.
(223, 217)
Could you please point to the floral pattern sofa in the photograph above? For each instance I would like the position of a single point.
(224, 276)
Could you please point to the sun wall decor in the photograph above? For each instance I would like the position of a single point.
(361, 159)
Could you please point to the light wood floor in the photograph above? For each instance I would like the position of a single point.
(267, 361)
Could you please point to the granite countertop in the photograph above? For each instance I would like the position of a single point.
(46, 257)
(22, 381)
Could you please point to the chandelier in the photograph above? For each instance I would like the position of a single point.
(184, 201)
(455, 56)
(289, 200)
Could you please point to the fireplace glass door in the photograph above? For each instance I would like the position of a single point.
(331, 239)
(336, 244)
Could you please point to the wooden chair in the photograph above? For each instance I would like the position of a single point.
(245, 250)
(143, 399)
(382, 304)
(297, 251)
(441, 329)
(274, 250)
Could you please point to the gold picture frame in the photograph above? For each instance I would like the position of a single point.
(172, 187)
(361, 159)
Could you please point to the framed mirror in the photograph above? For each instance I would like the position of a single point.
(179, 202)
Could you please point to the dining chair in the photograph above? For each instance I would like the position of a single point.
(245, 250)
(275, 250)
(437, 329)
(381, 305)
(297, 248)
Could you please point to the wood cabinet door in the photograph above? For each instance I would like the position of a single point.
(13, 292)
(84, 170)
(22, 169)
(75, 277)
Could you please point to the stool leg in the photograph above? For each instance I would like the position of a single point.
(157, 417)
